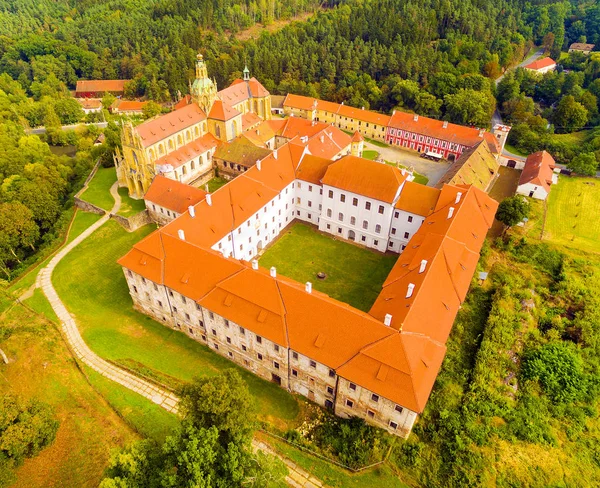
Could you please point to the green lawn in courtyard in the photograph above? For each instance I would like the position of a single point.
(573, 213)
(354, 274)
(215, 184)
(93, 288)
(129, 206)
(98, 191)
(369, 154)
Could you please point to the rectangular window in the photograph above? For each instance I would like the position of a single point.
(259, 339)
(175, 309)
(275, 364)
(295, 355)
(242, 331)
(226, 323)
(214, 332)
(410, 219)
(396, 214)
(198, 306)
(349, 403)
(355, 202)
(381, 209)
(331, 373)
(330, 193)
(259, 356)
(393, 231)
(187, 316)
(229, 340)
(393, 425)
(342, 198)
(330, 390)
(200, 323)
(398, 409)
(313, 364)
(352, 386)
(363, 238)
(159, 303)
(406, 235)
(276, 347)
(374, 397)
(294, 373)
(368, 205)
(370, 414)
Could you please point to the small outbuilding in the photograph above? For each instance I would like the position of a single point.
(537, 176)
(581, 47)
(542, 65)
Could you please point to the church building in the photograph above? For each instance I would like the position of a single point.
(180, 145)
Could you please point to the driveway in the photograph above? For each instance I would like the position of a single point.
(434, 171)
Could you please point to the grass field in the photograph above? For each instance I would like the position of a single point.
(129, 206)
(215, 184)
(573, 214)
(354, 274)
(41, 367)
(93, 288)
(98, 192)
(369, 154)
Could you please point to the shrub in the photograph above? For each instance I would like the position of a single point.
(558, 368)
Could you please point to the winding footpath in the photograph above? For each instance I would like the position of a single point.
(297, 477)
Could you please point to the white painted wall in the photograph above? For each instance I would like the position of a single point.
(539, 192)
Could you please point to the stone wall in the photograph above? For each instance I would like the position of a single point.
(88, 207)
(133, 223)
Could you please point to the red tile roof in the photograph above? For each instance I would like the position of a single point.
(364, 177)
(189, 151)
(222, 111)
(155, 130)
(458, 134)
(172, 194)
(128, 106)
(417, 199)
(357, 137)
(538, 170)
(94, 86)
(540, 64)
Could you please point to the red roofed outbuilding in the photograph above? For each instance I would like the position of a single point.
(537, 176)
(98, 88)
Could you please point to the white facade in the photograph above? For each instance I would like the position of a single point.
(403, 227)
(535, 191)
(357, 218)
(308, 201)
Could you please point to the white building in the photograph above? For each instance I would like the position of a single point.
(537, 176)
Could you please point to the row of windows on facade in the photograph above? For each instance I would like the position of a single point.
(411, 136)
(171, 146)
(259, 340)
(375, 126)
(380, 210)
(363, 238)
(235, 166)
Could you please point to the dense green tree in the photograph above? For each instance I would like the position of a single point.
(570, 115)
(469, 107)
(151, 109)
(584, 164)
(512, 210)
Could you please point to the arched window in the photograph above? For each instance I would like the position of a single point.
(218, 131)
(328, 212)
(365, 224)
(180, 140)
(352, 220)
(193, 165)
(152, 155)
(161, 149)
(197, 131)
(378, 229)
(184, 170)
(341, 217)
(188, 135)
(204, 126)
(171, 145)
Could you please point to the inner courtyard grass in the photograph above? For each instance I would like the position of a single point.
(573, 213)
(215, 184)
(98, 191)
(354, 274)
(93, 288)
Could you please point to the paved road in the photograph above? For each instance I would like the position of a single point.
(297, 477)
(434, 171)
(42, 130)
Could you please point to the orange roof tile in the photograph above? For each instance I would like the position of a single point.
(186, 100)
(312, 169)
(222, 111)
(357, 137)
(476, 166)
(540, 64)
(364, 115)
(364, 177)
(261, 134)
(300, 102)
(235, 93)
(155, 130)
(538, 170)
(188, 152)
(114, 86)
(128, 106)
(458, 134)
(250, 120)
(172, 194)
(417, 199)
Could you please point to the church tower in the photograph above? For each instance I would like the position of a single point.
(203, 89)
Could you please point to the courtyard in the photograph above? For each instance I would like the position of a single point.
(353, 275)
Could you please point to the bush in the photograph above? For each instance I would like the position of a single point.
(558, 368)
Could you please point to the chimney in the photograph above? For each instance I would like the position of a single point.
(322, 138)
(362, 108)
(445, 124)
(206, 188)
(393, 112)
(481, 131)
(416, 117)
(209, 199)
(273, 272)
(308, 287)
(181, 234)
(450, 212)
(423, 265)
(409, 291)
(258, 166)
(388, 319)
(275, 154)
(313, 123)
(254, 264)
(342, 103)
(458, 195)
(257, 132)
(192, 211)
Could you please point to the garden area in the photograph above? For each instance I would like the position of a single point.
(354, 275)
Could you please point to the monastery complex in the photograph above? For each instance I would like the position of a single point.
(198, 273)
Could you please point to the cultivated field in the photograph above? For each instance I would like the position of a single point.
(354, 274)
(573, 214)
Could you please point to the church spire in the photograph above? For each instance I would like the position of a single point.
(246, 71)
(203, 89)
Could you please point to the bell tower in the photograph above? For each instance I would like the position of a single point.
(203, 90)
